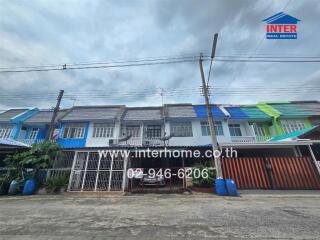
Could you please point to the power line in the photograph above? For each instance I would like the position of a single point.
(103, 66)
(133, 60)
(111, 96)
(159, 61)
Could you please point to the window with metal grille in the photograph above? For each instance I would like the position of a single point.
(5, 131)
(34, 133)
(133, 131)
(153, 131)
(74, 130)
(292, 125)
(235, 130)
(181, 129)
(205, 129)
(103, 130)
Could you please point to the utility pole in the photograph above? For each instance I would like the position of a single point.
(215, 146)
(54, 115)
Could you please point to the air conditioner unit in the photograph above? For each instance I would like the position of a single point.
(111, 142)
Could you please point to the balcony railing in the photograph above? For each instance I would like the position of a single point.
(138, 141)
(30, 141)
(153, 142)
(249, 139)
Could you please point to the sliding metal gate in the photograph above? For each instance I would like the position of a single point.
(272, 172)
(92, 172)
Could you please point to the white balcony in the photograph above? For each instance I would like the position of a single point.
(138, 141)
(153, 142)
(30, 141)
(135, 141)
(249, 139)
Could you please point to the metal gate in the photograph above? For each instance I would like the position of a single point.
(272, 173)
(294, 173)
(94, 172)
(248, 173)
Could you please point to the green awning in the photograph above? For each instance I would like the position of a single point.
(294, 134)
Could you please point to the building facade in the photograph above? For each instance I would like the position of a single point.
(264, 129)
(170, 125)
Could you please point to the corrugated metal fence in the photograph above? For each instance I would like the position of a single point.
(272, 173)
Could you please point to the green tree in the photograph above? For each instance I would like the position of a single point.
(40, 156)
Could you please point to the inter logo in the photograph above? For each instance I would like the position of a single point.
(281, 26)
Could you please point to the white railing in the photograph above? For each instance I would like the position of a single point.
(153, 142)
(249, 139)
(262, 138)
(140, 142)
(136, 141)
(30, 141)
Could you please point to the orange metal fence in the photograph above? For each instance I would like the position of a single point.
(248, 173)
(294, 173)
(272, 173)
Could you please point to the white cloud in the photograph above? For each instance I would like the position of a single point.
(46, 32)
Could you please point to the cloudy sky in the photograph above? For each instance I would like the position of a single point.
(76, 31)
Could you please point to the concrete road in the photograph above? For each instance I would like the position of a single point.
(251, 216)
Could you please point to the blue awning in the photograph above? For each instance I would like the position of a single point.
(201, 112)
(236, 113)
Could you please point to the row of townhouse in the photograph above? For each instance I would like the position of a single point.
(170, 125)
(288, 130)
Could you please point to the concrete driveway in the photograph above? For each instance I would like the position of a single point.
(251, 216)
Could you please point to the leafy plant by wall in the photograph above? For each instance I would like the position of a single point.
(53, 185)
(203, 180)
(40, 156)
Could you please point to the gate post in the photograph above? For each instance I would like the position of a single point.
(314, 159)
(85, 171)
(124, 176)
(72, 170)
(269, 172)
(98, 172)
(110, 172)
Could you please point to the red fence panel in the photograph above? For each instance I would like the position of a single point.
(294, 173)
(248, 173)
(286, 173)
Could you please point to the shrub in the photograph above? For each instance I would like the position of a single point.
(203, 181)
(54, 184)
(4, 184)
(40, 156)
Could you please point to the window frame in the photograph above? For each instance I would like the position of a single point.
(181, 129)
(135, 129)
(103, 130)
(259, 130)
(34, 133)
(205, 129)
(292, 125)
(232, 129)
(74, 131)
(5, 131)
(153, 131)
